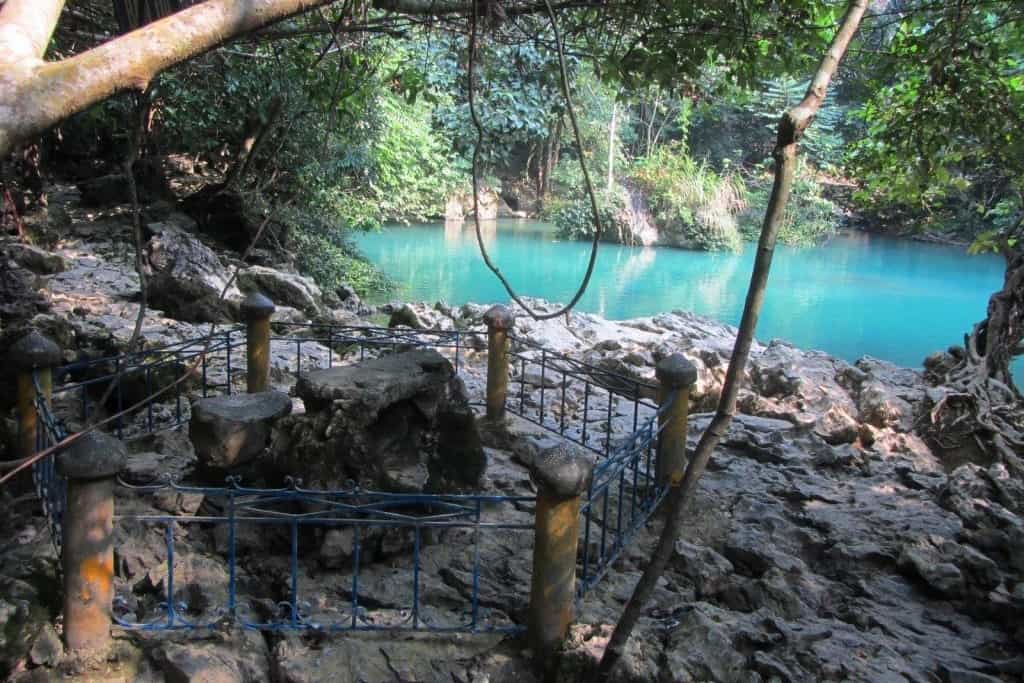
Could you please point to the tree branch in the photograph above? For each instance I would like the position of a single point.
(35, 95)
(684, 485)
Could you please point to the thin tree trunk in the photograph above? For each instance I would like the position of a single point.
(792, 126)
(611, 147)
(650, 124)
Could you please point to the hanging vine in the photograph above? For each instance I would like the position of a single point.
(578, 143)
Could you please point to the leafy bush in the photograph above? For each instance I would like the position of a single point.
(809, 219)
(324, 253)
(574, 218)
(690, 199)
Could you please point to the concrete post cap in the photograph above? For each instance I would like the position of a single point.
(95, 455)
(499, 318)
(256, 306)
(676, 372)
(563, 471)
(34, 351)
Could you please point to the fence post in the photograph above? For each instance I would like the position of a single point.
(674, 374)
(33, 353)
(256, 311)
(90, 465)
(499, 321)
(562, 474)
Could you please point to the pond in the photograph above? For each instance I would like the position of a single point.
(857, 295)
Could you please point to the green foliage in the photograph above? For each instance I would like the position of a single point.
(822, 143)
(574, 219)
(323, 252)
(942, 136)
(518, 97)
(690, 199)
(402, 169)
(810, 218)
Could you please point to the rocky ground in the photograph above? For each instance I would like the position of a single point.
(827, 541)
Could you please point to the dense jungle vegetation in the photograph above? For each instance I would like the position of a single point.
(322, 118)
(349, 119)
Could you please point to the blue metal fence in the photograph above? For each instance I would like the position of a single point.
(298, 510)
(580, 402)
(151, 378)
(50, 486)
(613, 418)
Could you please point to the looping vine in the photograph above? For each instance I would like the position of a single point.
(578, 143)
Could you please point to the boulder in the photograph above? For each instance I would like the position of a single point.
(187, 277)
(347, 296)
(35, 259)
(228, 431)
(882, 407)
(284, 289)
(396, 423)
(407, 316)
(19, 292)
(836, 427)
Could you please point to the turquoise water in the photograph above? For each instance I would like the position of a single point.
(856, 295)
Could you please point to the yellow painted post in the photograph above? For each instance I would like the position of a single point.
(562, 473)
(676, 377)
(90, 465)
(38, 355)
(499, 321)
(256, 311)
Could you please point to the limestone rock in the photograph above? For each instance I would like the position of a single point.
(242, 658)
(284, 289)
(188, 277)
(836, 427)
(880, 406)
(47, 648)
(407, 316)
(705, 568)
(228, 431)
(400, 422)
(35, 259)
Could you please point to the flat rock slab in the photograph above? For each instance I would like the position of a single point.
(376, 383)
(397, 423)
(228, 431)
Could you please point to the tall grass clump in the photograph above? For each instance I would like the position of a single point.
(690, 199)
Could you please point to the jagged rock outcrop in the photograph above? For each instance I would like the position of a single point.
(188, 277)
(284, 289)
(397, 423)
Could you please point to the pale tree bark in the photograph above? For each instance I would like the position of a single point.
(683, 486)
(35, 94)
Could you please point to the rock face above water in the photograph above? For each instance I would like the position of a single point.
(396, 423)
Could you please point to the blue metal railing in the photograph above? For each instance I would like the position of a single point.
(563, 383)
(299, 510)
(346, 341)
(580, 402)
(50, 486)
(624, 491)
(623, 494)
(146, 379)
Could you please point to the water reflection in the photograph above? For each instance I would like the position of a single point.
(457, 232)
